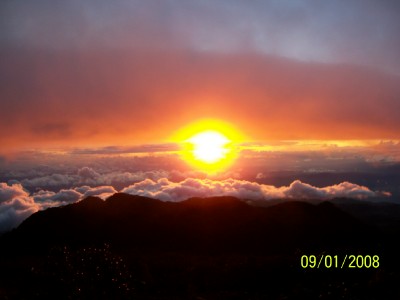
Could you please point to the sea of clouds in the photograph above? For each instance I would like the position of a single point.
(17, 202)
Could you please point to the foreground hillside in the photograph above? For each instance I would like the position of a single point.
(133, 247)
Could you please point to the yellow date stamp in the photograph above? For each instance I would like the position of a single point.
(339, 262)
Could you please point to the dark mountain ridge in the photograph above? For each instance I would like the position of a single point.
(132, 247)
(218, 223)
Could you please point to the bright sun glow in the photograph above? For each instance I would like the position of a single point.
(209, 145)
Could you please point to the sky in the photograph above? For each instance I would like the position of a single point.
(133, 72)
(92, 94)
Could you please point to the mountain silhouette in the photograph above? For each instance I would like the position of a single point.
(133, 247)
(197, 224)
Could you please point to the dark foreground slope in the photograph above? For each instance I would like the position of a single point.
(215, 248)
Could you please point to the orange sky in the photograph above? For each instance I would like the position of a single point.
(127, 99)
(138, 81)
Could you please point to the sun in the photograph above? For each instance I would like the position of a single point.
(209, 146)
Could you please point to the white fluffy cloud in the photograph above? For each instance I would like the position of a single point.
(99, 191)
(13, 191)
(50, 180)
(166, 190)
(16, 204)
(49, 198)
(89, 176)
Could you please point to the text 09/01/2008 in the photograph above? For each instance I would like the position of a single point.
(336, 262)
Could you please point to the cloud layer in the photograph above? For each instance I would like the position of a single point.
(89, 176)
(16, 203)
(166, 190)
(361, 31)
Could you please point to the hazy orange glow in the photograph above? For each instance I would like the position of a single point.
(279, 107)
